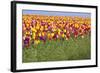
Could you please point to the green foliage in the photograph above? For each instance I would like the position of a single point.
(72, 49)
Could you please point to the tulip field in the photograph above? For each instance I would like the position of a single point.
(55, 38)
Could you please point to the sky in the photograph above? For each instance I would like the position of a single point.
(56, 13)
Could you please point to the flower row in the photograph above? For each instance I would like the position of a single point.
(39, 28)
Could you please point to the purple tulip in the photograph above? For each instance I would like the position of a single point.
(43, 23)
(23, 25)
(33, 22)
(43, 38)
(26, 41)
(49, 28)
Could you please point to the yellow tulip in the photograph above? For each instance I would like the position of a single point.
(27, 25)
(36, 41)
(42, 33)
(37, 27)
(41, 28)
(52, 34)
(27, 32)
(63, 35)
(64, 30)
(33, 35)
(59, 30)
(39, 34)
(49, 35)
(34, 30)
(76, 25)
